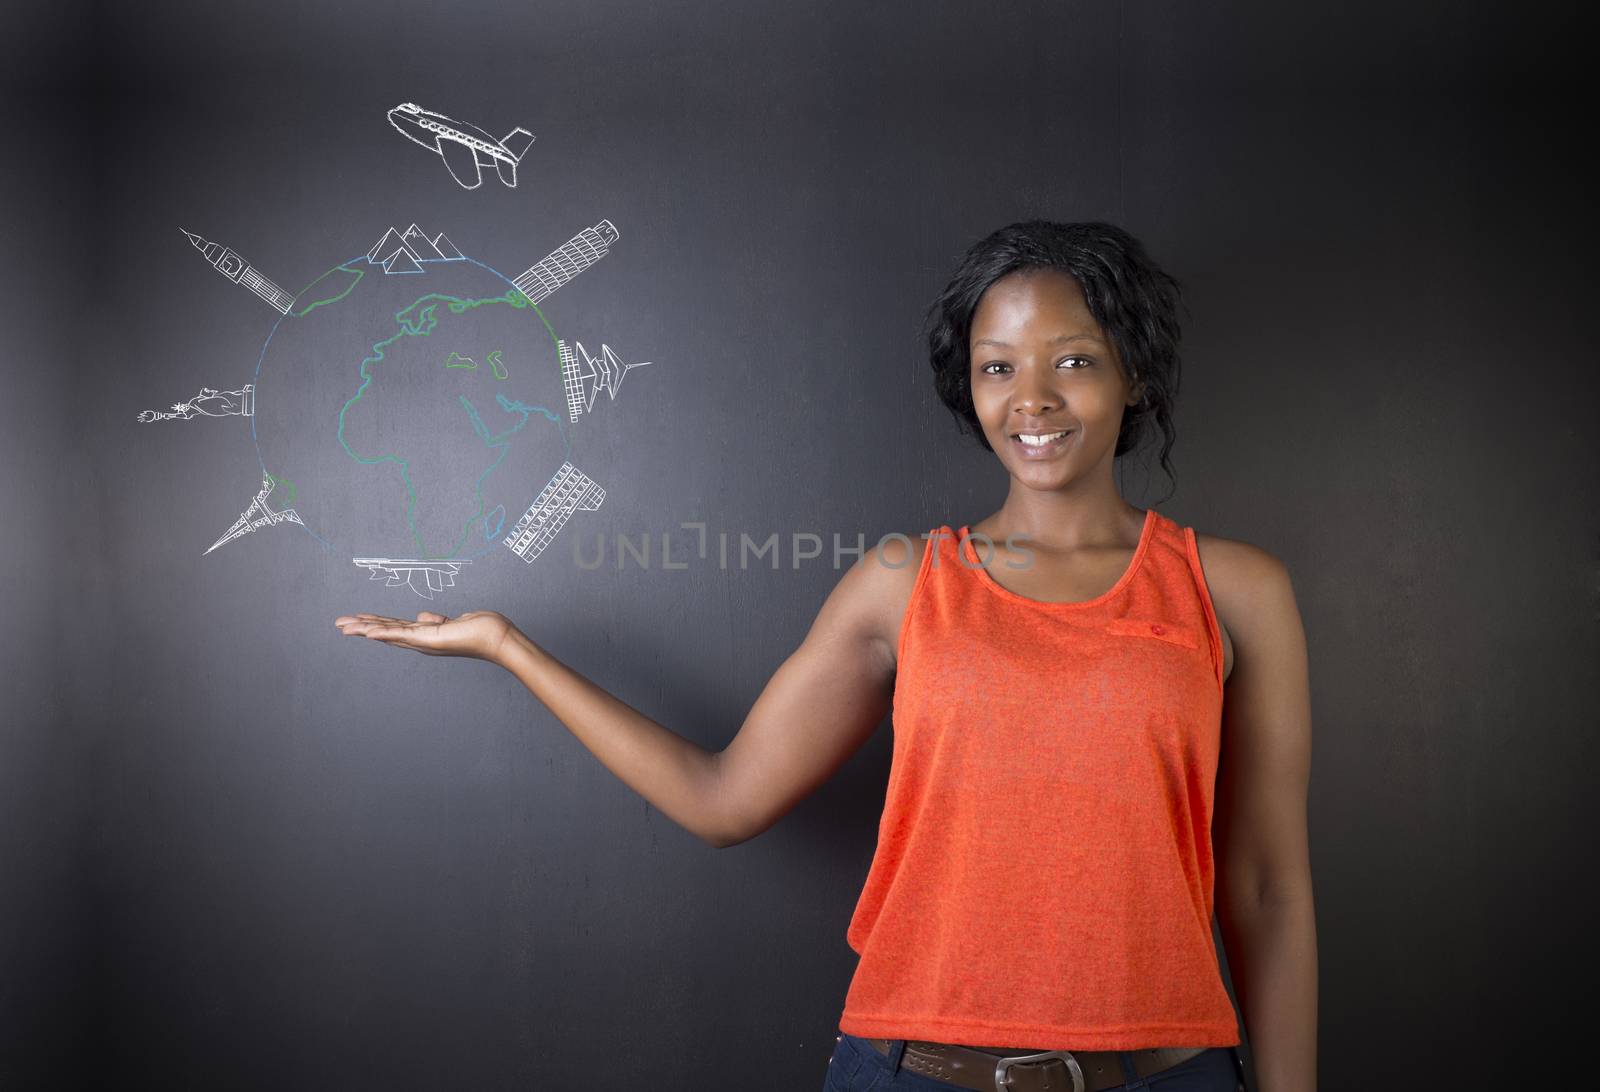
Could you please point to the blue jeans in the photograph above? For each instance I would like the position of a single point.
(856, 1066)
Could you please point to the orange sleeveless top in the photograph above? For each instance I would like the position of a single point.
(1043, 876)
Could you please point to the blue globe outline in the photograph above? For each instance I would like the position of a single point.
(565, 430)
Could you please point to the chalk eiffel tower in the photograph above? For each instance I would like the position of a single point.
(256, 516)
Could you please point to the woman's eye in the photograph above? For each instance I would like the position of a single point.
(1083, 362)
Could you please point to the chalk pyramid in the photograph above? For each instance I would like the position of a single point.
(386, 246)
(401, 261)
(447, 250)
(420, 245)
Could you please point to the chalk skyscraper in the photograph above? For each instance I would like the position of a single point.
(603, 371)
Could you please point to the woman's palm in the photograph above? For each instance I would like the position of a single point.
(477, 633)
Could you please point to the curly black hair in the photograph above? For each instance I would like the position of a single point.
(1133, 299)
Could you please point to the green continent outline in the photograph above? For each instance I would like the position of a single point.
(314, 304)
(420, 323)
(500, 443)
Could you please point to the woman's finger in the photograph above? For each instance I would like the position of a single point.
(357, 625)
(405, 639)
(392, 635)
(425, 632)
(374, 629)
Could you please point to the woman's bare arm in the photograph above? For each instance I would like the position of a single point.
(1264, 895)
(826, 699)
(817, 710)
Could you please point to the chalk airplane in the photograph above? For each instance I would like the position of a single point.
(465, 149)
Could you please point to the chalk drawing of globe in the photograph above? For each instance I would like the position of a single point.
(411, 414)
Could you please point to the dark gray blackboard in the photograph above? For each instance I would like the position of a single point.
(241, 851)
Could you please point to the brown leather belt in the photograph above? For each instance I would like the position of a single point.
(1008, 1069)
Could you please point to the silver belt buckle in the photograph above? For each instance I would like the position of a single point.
(1066, 1058)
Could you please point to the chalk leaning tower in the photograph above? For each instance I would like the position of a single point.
(567, 261)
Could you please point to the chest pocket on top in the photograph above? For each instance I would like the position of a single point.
(1155, 631)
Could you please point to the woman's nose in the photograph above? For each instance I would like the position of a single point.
(1035, 396)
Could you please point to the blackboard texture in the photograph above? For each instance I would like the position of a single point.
(241, 851)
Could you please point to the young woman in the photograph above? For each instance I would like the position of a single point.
(1063, 753)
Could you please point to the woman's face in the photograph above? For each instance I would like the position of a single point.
(1042, 364)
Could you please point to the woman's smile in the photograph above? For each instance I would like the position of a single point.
(1053, 443)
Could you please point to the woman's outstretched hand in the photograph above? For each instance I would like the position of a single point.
(477, 633)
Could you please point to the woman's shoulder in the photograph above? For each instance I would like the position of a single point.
(1249, 586)
(880, 583)
(901, 550)
(1234, 567)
